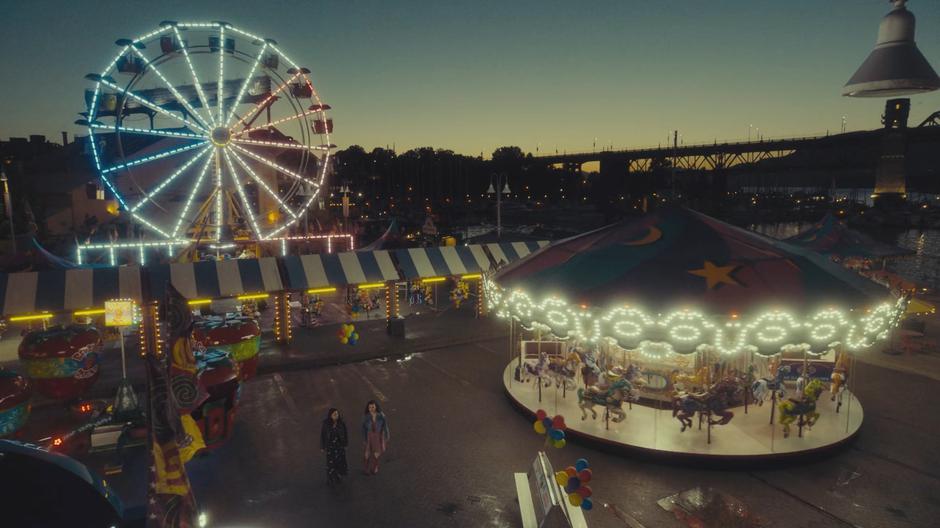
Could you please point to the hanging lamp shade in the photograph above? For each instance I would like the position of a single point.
(895, 67)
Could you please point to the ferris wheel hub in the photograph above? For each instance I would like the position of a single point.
(221, 136)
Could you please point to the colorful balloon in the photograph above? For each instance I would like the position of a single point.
(575, 499)
(560, 443)
(561, 478)
(571, 471)
(558, 422)
(539, 428)
(585, 475)
(548, 423)
(587, 504)
(557, 434)
(582, 463)
(585, 491)
(540, 414)
(344, 340)
(573, 485)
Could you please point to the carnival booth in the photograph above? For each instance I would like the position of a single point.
(361, 281)
(678, 333)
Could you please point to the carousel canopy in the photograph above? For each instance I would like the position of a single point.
(831, 236)
(684, 279)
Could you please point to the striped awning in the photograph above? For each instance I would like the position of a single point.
(507, 252)
(338, 269)
(213, 279)
(420, 263)
(63, 290)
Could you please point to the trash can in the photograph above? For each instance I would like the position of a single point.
(396, 327)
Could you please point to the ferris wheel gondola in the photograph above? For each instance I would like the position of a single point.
(208, 134)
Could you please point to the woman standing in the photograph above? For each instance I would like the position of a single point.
(333, 440)
(375, 436)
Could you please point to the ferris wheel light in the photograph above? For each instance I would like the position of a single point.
(170, 179)
(241, 91)
(153, 157)
(210, 133)
(192, 194)
(264, 185)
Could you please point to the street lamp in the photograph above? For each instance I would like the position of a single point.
(499, 201)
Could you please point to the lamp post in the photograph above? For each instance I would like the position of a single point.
(499, 200)
(8, 206)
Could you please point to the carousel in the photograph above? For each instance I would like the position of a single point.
(678, 334)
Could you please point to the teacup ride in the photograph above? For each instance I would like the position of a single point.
(62, 361)
(239, 336)
(219, 376)
(15, 391)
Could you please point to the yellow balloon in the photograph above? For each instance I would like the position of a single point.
(344, 340)
(575, 499)
(561, 478)
(539, 427)
(560, 443)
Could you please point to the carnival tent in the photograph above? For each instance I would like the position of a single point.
(685, 279)
(831, 236)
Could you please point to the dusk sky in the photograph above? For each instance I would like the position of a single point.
(473, 76)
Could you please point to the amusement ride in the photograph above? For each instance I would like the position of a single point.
(210, 138)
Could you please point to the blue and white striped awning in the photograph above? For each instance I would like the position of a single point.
(507, 252)
(63, 290)
(444, 261)
(338, 269)
(213, 279)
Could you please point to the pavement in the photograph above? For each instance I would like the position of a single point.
(456, 440)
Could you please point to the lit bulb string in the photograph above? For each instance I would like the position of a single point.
(192, 194)
(276, 122)
(170, 179)
(244, 120)
(153, 67)
(241, 91)
(264, 185)
(274, 165)
(153, 157)
(104, 177)
(220, 95)
(279, 144)
(241, 194)
(306, 205)
(149, 131)
(685, 330)
(202, 94)
(151, 105)
(218, 195)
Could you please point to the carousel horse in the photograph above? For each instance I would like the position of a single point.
(562, 369)
(763, 387)
(690, 381)
(611, 397)
(538, 370)
(590, 372)
(840, 373)
(716, 400)
(792, 409)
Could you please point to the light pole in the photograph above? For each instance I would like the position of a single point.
(749, 128)
(8, 206)
(843, 124)
(499, 200)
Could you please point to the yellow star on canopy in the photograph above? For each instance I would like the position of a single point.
(715, 275)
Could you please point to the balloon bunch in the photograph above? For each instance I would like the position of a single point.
(574, 479)
(348, 335)
(552, 428)
(459, 294)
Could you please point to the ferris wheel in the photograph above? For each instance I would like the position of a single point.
(207, 134)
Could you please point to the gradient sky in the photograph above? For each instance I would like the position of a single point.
(474, 75)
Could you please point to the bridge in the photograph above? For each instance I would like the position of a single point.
(838, 151)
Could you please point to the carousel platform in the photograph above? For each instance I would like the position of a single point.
(650, 431)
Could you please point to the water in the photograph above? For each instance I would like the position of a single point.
(922, 268)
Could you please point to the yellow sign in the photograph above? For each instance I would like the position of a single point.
(118, 313)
